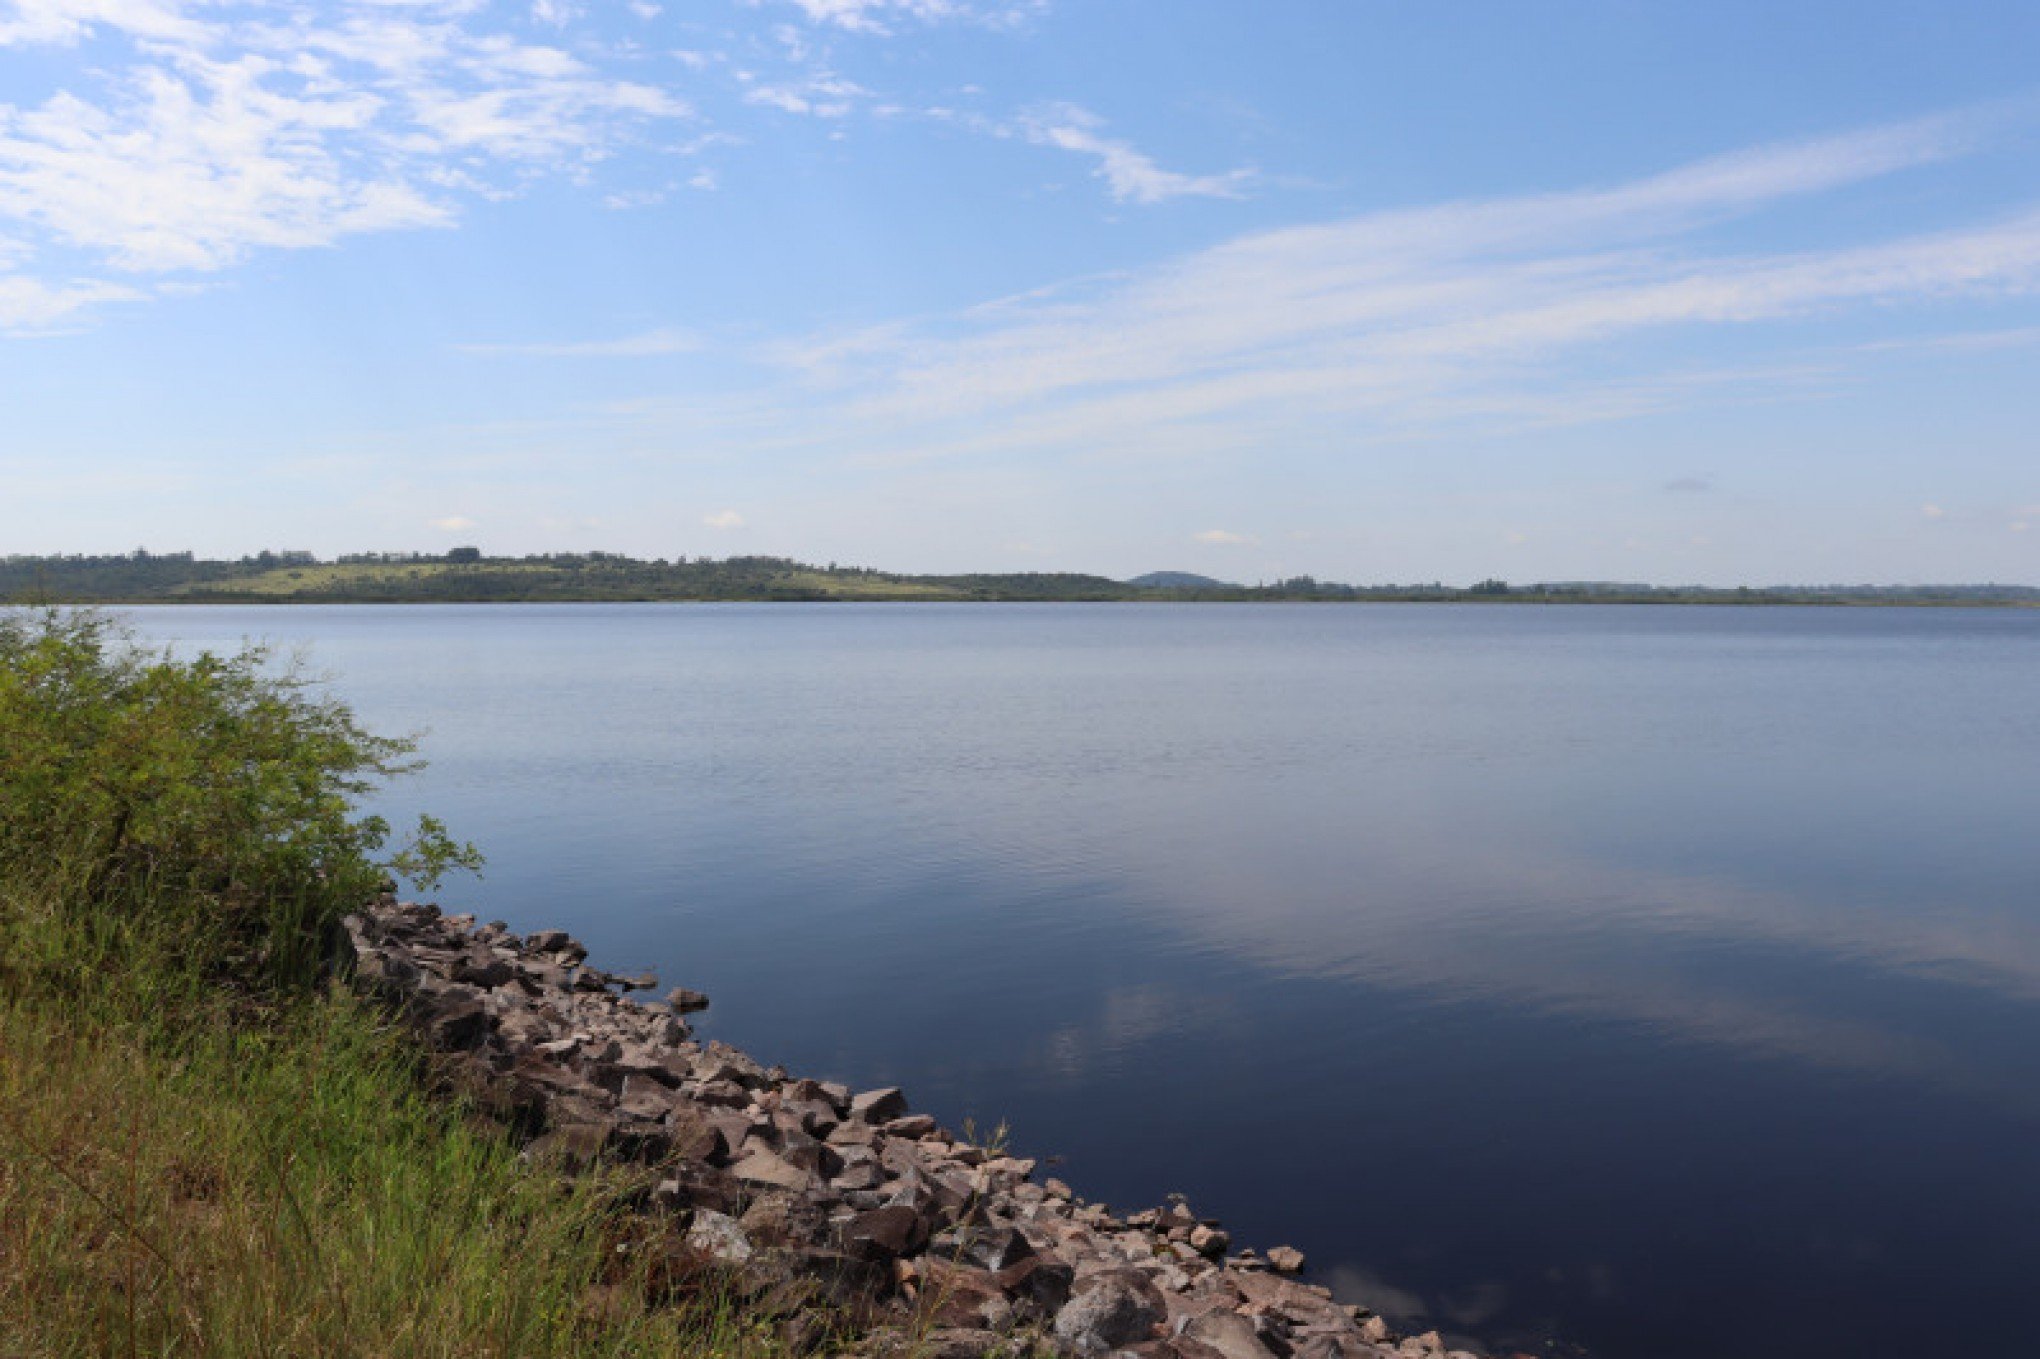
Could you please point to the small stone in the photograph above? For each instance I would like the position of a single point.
(718, 1235)
(459, 1026)
(573, 1148)
(1231, 1334)
(878, 1106)
(1285, 1260)
(487, 972)
(996, 1247)
(913, 1125)
(651, 1104)
(762, 1167)
(884, 1233)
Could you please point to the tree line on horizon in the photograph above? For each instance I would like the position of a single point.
(465, 574)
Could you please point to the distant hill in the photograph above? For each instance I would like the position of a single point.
(1179, 580)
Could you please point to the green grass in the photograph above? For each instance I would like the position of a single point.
(291, 1190)
(206, 1148)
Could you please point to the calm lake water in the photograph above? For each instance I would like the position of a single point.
(1662, 981)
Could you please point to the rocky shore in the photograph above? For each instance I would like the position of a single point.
(854, 1222)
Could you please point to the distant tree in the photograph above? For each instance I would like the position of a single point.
(464, 555)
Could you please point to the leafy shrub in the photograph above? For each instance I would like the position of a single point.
(200, 815)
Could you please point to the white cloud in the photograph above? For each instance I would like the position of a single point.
(1932, 512)
(723, 519)
(454, 523)
(873, 16)
(822, 95)
(882, 17)
(66, 22)
(1223, 538)
(649, 344)
(219, 129)
(1130, 175)
(624, 200)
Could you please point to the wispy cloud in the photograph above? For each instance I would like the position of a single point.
(28, 304)
(723, 519)
(883, 17)
(1223, 538)
(648, 344)
(1423, 316)
(454, 523)
(1130, 176)
(820, 94)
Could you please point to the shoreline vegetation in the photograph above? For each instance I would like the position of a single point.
(250, 1104)
(465, 576)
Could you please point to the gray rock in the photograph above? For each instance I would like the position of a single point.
(884, 1233)
(844, 1196)
(458, 1026)
(573, 1148)
(996, 1246)
(651, 1104)
(878, 1106)
(1231, 1334)
(762, 1167)
(486, 971)
(1039, 1283)
(717, 1235)
(1108, 1310)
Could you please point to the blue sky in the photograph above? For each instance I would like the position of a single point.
(1377, 291)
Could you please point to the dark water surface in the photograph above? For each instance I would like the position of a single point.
(1663, 980)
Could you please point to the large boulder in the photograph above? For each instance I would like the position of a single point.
(1231, 1334)
(1110, 1310)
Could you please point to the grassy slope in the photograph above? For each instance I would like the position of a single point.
(370, 579)
(206, 1158)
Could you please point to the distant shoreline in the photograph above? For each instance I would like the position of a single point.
(464, 576)
(331, 601)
